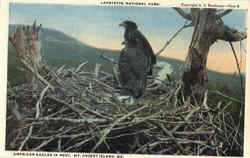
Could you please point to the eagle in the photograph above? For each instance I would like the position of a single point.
(133, 72)
(134, 38)
(135, 63)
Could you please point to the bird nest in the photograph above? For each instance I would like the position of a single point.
(79, 112)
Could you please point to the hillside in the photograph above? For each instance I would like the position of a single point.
(60, 49)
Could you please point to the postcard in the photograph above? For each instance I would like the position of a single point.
(124, 78)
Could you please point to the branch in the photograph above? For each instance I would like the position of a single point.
(63, 119)
(170, 40)
(37, 74)
(225, 33)
(170, 134)
(94, 112)
(228, 97)
(224, 13)
(26, 138)
(97, 70)
(72, 107)
(44, 143)
(238, 67)
(80, 66)
(186, 118)
(204, 105)
(183, 14)
(108, 59)
(40, 101)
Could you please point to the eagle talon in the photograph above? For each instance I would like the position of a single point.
(126, 99)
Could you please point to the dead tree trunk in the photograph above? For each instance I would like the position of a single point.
(208, 28)
(26, 41)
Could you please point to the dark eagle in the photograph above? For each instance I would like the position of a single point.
(134, 38)
(133, 71)
(135, 63)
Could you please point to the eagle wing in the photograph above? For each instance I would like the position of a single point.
(136, 38)
(143, 42)
(133, 70)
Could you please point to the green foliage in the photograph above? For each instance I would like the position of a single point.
(229, 91)
(15, 75)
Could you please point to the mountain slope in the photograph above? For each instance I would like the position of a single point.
(59, 48)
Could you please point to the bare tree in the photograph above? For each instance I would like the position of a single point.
(26, 41)
(208, 28)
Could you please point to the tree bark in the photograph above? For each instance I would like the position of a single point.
(208, 29)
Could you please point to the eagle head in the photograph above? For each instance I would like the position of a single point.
(127, 24)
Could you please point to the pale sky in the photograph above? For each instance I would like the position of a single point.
(98, 27)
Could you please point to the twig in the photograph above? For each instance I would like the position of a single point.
(205, 100)
(39, 101)
(170, 134)
(43, 144)
(170, 40)
(80, 66)
(108, 59)
(228, 97)
(187, 141)
(59, 145)
(37, 74)
(224, 13)
(97, 70)
(186, 118)
(183, 14)
(58, 71)
(194, 132)
(73, 108)
(79, 144)
(69, 120)
(103, 84)
(26, 138)
(94, 112)
(238, 67)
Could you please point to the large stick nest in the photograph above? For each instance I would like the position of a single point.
(81, 114)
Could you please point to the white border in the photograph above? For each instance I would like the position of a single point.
(244, 4)
(163, 3)
(3, 69)
(247, 93)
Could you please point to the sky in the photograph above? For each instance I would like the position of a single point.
(98, 26)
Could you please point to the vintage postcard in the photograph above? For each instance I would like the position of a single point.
(124, 78)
